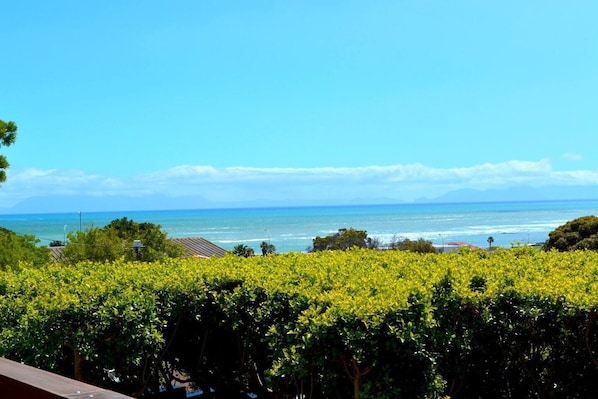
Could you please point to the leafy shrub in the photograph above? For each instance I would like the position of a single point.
(17, 249)
(367, 324)
(344, 239)
(420, 246)
(577, 234)
(117, 239)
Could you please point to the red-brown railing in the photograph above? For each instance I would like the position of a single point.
(18, 381)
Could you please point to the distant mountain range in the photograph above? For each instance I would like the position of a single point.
(86, 203)
(547, 193)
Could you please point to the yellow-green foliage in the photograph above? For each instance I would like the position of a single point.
(368, 282)
(363, 282)
(127, 314)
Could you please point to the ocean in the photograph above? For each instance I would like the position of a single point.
(293, 228)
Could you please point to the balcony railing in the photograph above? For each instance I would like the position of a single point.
(18, 381)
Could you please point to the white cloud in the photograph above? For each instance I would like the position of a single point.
(395, 182)
(571, 157)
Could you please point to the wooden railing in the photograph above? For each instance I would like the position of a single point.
(18, 381)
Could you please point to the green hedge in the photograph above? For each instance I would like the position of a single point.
(363, 323)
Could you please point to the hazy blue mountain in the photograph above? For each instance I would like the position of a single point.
(75, 203)
(548, 193)
(88, 203)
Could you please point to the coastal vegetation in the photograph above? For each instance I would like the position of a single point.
(419, 245)
(351, 238)
(344, 239)
(267, 248)
(125, 312)
(20, 248)
(577, 234)
(331, 324)
(120, 238)
(246, 251)
(243, 250)
(8, 135)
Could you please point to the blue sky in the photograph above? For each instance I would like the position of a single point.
(297, 100)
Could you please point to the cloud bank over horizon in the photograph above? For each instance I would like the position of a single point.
(230, 185)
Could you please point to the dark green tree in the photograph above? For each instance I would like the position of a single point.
(267, 248)
(577, 234)
(344, 239)
(243, 250)
(20, 248)
(490, 241)
(8, 135)
(419, 246)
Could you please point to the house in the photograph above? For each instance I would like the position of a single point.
(454, 246)
(56, 253)
(197, 247)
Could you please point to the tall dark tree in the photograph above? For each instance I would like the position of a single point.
(8, 135)
(243, 250)
(267, 248)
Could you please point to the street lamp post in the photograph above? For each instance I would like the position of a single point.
(137, 245)
(64, 236)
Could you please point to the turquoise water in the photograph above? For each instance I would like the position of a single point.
(292, 229)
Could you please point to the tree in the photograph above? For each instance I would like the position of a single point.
(577, 234)
(117, 239)
(8, 135)
(243, 250)
(93, 244)
(420, 246)
(344, 239)
(154, 241)
(267, 248)
(490, 241)
(20, 248)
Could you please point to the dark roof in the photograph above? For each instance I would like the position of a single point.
(199, 247)
(193, 247)
(56, 253)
